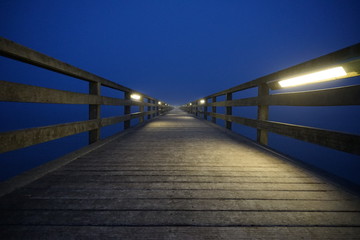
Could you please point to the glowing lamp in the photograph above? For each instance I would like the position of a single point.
(321, 76)
(159, 103)
(202, 101)
(135, 96)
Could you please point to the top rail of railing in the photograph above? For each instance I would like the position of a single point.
(348, 57)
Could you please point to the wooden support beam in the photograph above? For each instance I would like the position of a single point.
(94, 112)
(337, 140)
(339, 96)
(205, 108)
(118, 119)
(26, 137)
(157, 108)
(21, 53)
(149, 109)
(141, 109)
(263, 114)
(127, 110)
(154, 108)
(24, 54)
(213, 109)
(196, 107)
(18, 139)
(228, 110)
(18, 92)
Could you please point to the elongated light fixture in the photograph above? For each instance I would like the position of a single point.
(321, 76)
(135, 96)
(202, 101)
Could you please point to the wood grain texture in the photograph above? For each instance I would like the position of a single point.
(27, 137)
(337, 140)
(340, 96)
(18, 92)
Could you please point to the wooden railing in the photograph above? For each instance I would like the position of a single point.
(16, 92)
(340, 96)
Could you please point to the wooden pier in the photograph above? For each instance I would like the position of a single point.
(179, 177)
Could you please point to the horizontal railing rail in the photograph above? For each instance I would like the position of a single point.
(348, 58)
(17, 92)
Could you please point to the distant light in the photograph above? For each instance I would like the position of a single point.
(159, 103)
(202, 101)
(135, 96)
(190, 104)
(325, 75)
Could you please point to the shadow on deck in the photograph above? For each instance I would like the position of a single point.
(178, 177)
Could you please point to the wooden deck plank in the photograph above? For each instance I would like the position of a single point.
(179, 186)
(179, 178)
(29, 193)
(229, 173)
(178, 218)
(187, 204)
(156, 233)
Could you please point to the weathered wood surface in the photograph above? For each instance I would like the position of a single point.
(24, 54)
(22, 138)
(18, 52)
(179, 178)
(339, 96)
(18, 92)
(337, 140)
(341, 56)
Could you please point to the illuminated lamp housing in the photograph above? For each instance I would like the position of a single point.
(321, 76)
(135, 96)
(346, 69)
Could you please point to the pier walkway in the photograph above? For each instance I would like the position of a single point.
(179, 177)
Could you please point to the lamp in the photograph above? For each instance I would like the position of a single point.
(345, 69)
(320, 76)
(135, 96)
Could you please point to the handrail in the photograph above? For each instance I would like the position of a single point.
(331, 59)
(16, 92)
(340, 96)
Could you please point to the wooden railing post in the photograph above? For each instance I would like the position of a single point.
(149, 109)
(213, 109)
(127, 110)
(263, 114)
(228, 110)
(94, 112)
(157, 108)
(141, 109)
(197, 109)
(205, 108)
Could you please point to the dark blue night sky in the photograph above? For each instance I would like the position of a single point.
(177, 51)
